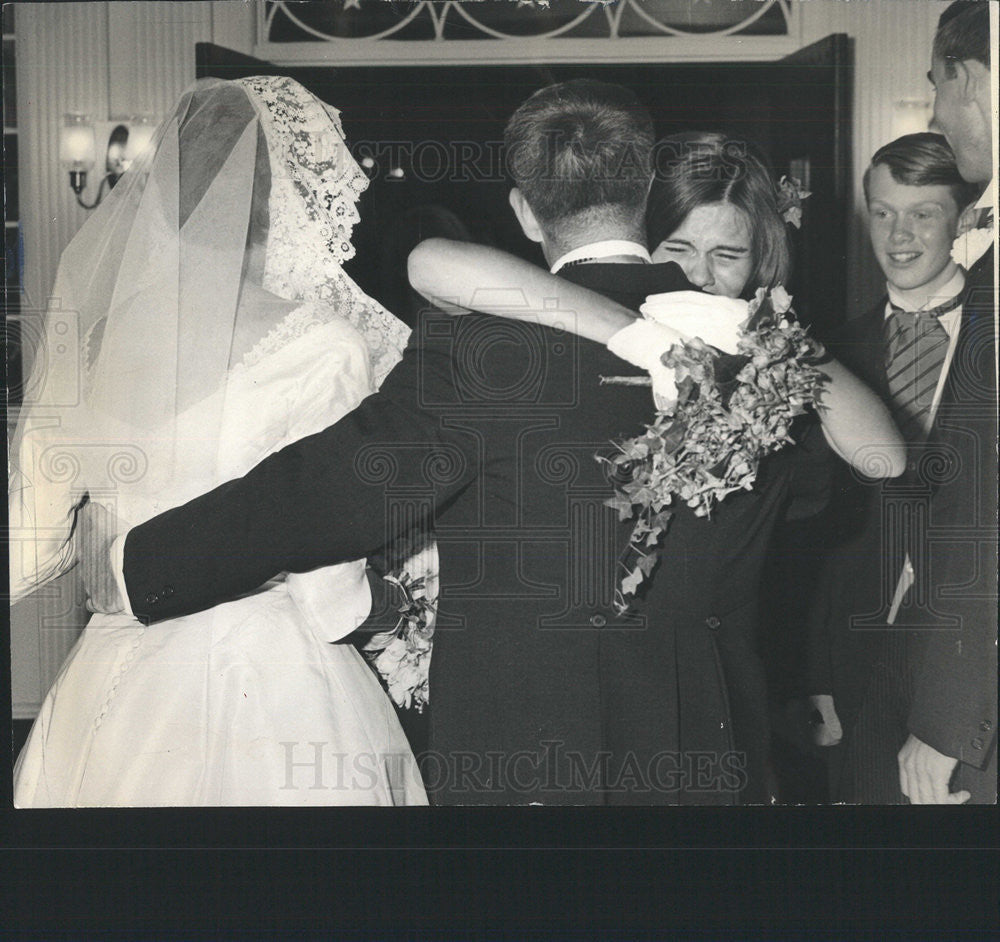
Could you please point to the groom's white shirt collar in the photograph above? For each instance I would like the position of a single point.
(604, 249)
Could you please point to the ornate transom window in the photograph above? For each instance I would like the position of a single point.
(505, 29)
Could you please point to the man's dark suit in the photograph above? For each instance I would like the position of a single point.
(933, 673)
(954, 705)
(488, 428)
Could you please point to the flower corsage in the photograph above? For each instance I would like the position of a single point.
(971, 246)
(731, 411)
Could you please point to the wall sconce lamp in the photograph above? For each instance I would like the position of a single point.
(910, 116)
(78, 137)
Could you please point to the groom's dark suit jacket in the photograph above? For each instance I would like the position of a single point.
(933, 673)
(540, 692)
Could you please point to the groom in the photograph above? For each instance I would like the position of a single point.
(487, 430)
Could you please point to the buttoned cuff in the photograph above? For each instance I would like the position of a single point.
(118, 570)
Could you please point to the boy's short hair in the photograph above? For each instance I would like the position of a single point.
(923, 159)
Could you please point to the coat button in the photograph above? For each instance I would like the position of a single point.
(167, 591)
(598, 620)
(152, 598)
(977, 743)
(713, 622)
(985, 726)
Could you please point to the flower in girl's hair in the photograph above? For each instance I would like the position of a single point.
(790, 194)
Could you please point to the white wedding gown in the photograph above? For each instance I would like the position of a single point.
(248, 703)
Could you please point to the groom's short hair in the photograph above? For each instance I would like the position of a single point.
(579, 146)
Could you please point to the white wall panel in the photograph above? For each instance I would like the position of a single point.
(892, 53)
(62, 66)
(152, 58)
(108, 60)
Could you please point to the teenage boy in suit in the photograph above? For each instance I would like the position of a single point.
(926, 729)
(917, 203)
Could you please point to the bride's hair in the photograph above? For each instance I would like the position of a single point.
(216, 117)
(696, 169)
(259, 216)
(214, 121)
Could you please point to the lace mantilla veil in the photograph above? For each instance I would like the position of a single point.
(142, 319)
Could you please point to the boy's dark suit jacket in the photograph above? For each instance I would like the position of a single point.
(933, 673)
(541, 693)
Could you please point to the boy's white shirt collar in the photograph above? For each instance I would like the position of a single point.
(952, 288)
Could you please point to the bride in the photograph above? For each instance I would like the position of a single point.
(217, 325)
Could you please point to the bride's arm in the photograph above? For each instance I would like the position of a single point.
(465, 276)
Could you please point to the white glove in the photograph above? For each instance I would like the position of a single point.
(642, 344)
(716, 320)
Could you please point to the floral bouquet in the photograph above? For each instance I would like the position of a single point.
(731, 411)
(401, 656)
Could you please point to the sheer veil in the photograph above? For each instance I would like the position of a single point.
(145, 310)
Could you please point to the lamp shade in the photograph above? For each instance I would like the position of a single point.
(76, 142)
(910, 116)
(140, 134)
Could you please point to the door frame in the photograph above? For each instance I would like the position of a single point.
(674, 45)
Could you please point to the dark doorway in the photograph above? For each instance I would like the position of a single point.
(433, 134)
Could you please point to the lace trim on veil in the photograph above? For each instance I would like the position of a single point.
(315, 187)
